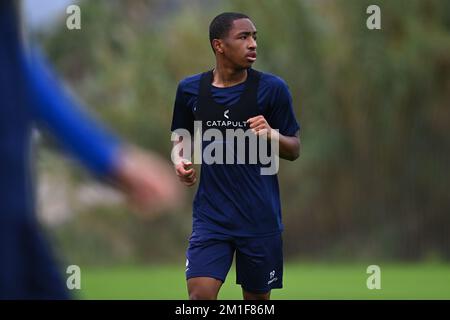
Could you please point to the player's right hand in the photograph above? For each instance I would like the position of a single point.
(186, 172)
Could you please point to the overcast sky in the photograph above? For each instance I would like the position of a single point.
(41, 12)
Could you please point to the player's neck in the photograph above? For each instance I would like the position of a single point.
(226, 76)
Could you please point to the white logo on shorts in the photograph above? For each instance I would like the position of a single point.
(187, 264)
(272, 277)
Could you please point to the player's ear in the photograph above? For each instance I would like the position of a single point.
(218, 46)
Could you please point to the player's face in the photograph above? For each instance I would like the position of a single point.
(239, 46)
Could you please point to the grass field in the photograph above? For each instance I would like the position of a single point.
(301, 281)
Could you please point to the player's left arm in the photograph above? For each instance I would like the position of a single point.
(289, 146)
(278, 121)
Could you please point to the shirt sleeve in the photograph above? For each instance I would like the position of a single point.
(281, 114)
(183, 117)
(55, 109)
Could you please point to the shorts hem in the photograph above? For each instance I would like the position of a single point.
(262, 291)
(206, 275)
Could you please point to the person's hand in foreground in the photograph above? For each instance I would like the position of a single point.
(147, 179)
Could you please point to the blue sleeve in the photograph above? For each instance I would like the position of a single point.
(281, 114)
(182, 117)
(57, 111)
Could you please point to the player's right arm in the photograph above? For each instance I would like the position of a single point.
(183, 167)
(182, 137)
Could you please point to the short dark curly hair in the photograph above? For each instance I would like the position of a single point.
(221, 25)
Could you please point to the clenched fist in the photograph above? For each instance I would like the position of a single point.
(186, 172)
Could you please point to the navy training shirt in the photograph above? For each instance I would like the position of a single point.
(236, 199)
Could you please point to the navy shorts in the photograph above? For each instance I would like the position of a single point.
(259, 260)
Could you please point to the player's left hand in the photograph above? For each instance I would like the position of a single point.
(260, 126)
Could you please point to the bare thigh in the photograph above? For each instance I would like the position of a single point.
(203, 288)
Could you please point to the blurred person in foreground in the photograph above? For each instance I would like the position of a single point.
(30, 94)
(237, 208)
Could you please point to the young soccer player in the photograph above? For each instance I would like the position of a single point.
(236, 209)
